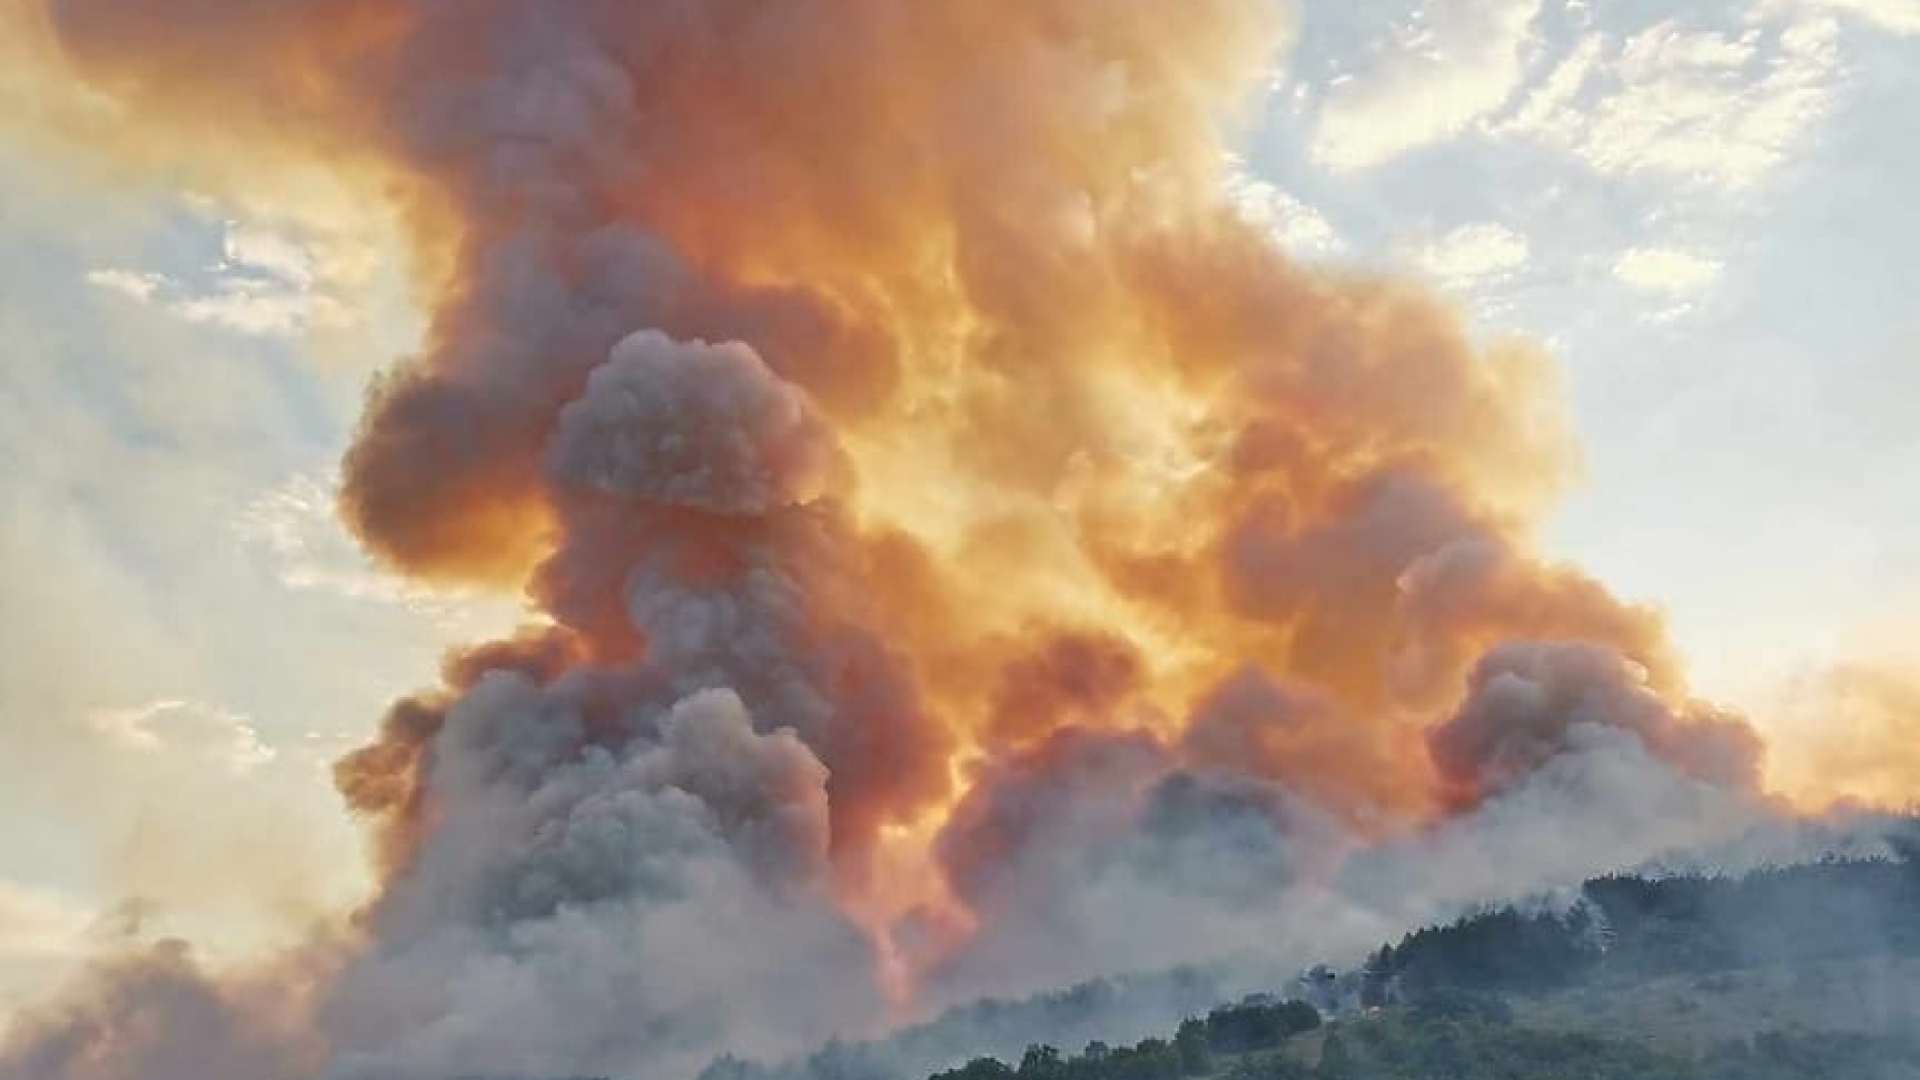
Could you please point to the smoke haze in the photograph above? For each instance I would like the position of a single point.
(972, 558)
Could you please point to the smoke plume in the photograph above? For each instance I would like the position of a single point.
(967, 548)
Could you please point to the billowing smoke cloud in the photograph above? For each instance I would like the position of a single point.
(1528, 704)
(671, 893)
(702, 427)
(156, 1015)
(972, 556)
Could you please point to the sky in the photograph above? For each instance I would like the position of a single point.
(1703, 209)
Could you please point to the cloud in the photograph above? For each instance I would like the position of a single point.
(1301, 230)
(249, 308)
(1450, 64)
(157, 675)
(1706, 108)
(1667, 271)
(248, 246)
(1474, 255)
(209, 732)
(264, 285)
(133, 284)
(1898, 16)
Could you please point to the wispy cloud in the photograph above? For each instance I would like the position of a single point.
(1474, 255)
(1898, 16)
(1449, 64)
(1676, 278)
(1667, 271)
(133, 284)
(1299, 229)
(207, 732)
(264, 285)
(247, 246)
(1706, 108)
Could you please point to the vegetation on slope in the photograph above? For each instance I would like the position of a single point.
(1566, 994)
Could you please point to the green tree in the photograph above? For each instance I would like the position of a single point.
(1196, 1058)
(980, 1068)
(1042, 1063)
(1377, 979)
(1237, 1029)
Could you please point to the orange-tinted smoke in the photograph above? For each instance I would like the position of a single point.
(1110, 459)
(1849, 734)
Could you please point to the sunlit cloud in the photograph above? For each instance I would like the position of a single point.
(1898, 16)
(1715, 109)
(1474, 255)
(208, 732)
(1667, 271)
(1449, 64)
(250, 246)
(132, 284)
(1299, 229)
(264, 285)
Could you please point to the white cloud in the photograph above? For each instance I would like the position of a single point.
(250, 247)
(264, 285)
(1898, 16)
(1667, 271)
(1709, 108)
(1474, 255)
(129, 283)
(126, 587)
(1556, 93)
(1450, 64)
(206, 732)
(247, 308)
(1298, 228)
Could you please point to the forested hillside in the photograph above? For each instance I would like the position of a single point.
(1629, 929)
(1808, 972)
(1800, 972)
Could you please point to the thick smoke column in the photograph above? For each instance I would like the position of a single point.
(923, 470)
